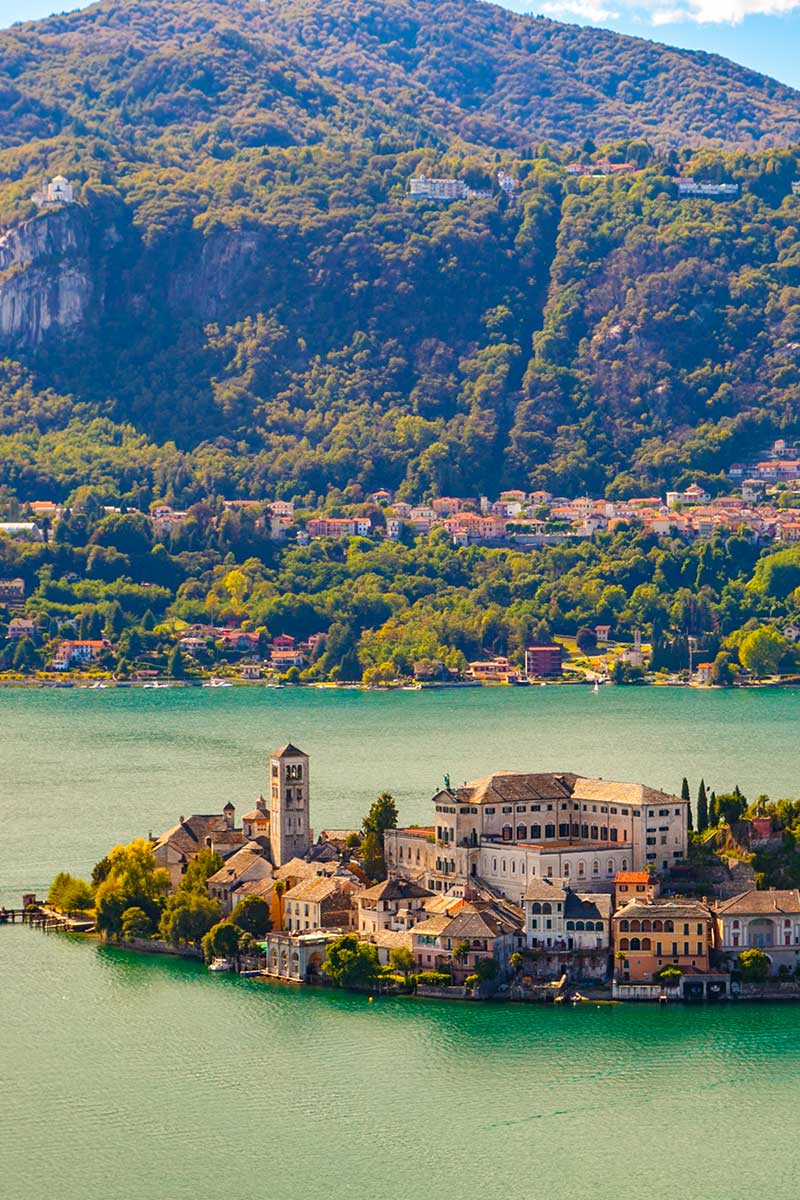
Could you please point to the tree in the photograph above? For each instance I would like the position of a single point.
(702, 807)
(730, 806)
(252, 914)
(371, 857)
(132, 880)
(176, 668)
(761, 650)
(687, 796)
(401, 960)
(487, 969)
(136, 924)
(100, 870)
(222, 941)
(381, 816)
(586, 640)
(754, 966)
(70, 894)
(350, 962)
(187, 918)
(461, 953)
(515, 962)
(280, 891)
(200, 869)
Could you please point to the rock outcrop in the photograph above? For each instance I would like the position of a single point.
(50, 284)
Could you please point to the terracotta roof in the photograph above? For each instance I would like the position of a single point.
(256, 815)
(632, 877)
(771, 901)
(296, 868)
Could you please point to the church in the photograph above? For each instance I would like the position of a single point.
(275, 831)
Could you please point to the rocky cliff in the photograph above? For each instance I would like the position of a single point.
(51, 279)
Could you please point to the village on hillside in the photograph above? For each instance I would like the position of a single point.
(760, 506)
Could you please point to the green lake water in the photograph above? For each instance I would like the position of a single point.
(135, 1077)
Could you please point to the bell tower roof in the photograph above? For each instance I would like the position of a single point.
(289, 751)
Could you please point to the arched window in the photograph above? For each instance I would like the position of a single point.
(536, 831)
(596, 867)
(669, 927)
(513, 866)
(547, 907)
(566, 870)
(658, 926)
(646, 926)
(610, 867)
(522, 833)
(563, 830)
(647, 944)
(594, 833)
(623, 943)
(635, 926)
(636, 944)
(536, 907)
(624, 925)
(550, 831)
(507, 833)
(570, 924)
(603, 833)
(579, 925)
(624, 866)
(581, 868)
(584, 831)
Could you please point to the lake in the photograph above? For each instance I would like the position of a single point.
(135, 1077)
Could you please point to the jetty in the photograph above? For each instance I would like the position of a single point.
(39, 916)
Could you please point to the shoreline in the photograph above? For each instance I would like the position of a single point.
(569, 997)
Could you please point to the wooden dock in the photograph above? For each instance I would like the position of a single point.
(46, 919)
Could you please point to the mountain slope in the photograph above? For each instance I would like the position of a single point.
(246, 276)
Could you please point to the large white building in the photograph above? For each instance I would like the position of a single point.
(58, 191)
(512, 827)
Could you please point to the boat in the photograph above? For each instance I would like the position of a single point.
(596, 687)
(220, 964)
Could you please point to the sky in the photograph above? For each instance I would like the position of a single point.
(762, 34)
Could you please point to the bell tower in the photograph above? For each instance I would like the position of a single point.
(290, 834)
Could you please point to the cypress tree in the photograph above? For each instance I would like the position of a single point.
(687, 796)
(713, 811)
(702, 807)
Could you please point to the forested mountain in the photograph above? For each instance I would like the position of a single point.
(245, 299)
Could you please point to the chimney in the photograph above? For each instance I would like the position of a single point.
(181, 820)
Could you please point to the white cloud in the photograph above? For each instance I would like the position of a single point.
(655, 12)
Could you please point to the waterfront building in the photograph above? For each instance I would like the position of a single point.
(77, 653)
(485, 930)
(543, 662)
(761, 920)
(510, 827)
(296, 956)
(649, 935)
(558, 919)
(492, 670)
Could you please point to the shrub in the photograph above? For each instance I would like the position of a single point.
(435, 978)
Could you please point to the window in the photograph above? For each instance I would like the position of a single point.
(584, 831)
(563, 830)
(536, 831)
(581, 868)
(603, 833)
(595, 833)
(636, 944)
(596, 867)
(624, 944)
(507, 833)
(522, 833)
(508, 808)
(610, 867)
(547, 907)
(566, 869)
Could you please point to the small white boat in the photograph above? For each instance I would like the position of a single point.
(220, 964)
(596, 687)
